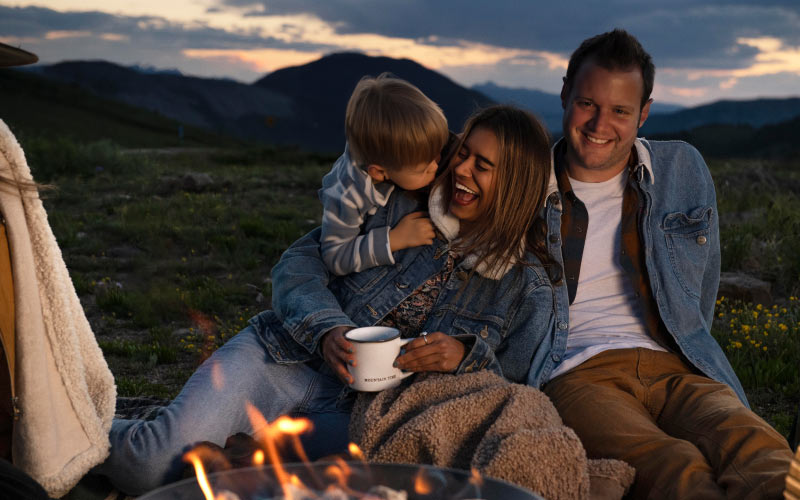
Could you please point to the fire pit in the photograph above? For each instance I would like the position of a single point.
(419, 482)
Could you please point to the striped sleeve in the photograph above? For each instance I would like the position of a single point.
(348, 196)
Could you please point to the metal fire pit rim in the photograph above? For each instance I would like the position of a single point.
(408, 468)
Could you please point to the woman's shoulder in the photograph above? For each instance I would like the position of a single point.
(534, 270)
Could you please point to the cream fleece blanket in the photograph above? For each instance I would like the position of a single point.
(480, 420)
(65, 389)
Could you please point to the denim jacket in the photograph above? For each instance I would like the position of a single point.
(502, 322)
(679, 227)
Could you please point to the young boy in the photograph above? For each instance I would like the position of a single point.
(395, 135)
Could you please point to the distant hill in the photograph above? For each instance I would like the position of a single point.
(222, 105)
(779, 140)
(545, 105)
(320, 90)
(35, 106)
(302, 105)
(755, 113)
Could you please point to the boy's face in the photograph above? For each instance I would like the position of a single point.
(413, 177)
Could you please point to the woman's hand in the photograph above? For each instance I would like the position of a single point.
(337, 351)
(442, 353)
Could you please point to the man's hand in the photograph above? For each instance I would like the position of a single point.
(338, 352)
(442, 353)
(413, 230)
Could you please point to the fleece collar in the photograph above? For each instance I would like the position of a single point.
(449, 225)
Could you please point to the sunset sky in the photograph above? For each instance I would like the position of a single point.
(704, 50)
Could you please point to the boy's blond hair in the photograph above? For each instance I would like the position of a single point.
(391, 123)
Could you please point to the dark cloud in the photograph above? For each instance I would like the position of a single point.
(147, 31)
(684, 33)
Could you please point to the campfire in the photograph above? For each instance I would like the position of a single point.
(341, 478)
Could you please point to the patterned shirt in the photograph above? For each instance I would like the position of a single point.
(410, 315)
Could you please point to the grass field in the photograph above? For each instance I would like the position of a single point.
(167, 272)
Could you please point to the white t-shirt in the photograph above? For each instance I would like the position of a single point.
(605, 313)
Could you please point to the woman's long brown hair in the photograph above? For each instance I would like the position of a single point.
(522, 176)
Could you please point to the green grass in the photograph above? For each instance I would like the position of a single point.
(145, 256)
(759, 205)
(762, 343)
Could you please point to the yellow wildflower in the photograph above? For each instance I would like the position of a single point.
(759, 307)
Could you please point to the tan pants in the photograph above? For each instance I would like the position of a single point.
(687, 436)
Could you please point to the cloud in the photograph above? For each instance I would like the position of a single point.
(702, 49)
(683, 33)
(150, 40)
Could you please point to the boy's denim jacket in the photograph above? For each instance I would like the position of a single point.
(504, 323)
(679, 227)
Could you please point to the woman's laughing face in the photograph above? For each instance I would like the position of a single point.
(474, 168)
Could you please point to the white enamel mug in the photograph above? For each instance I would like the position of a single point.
(375, 349)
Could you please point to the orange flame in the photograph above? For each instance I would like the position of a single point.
(258, 457)
(270, 433)
(475, 477)
(200, 471)
(355, 451)
(337, 474)
(422, 485)
(291, 426)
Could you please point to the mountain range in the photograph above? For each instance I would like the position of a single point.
(304, 105)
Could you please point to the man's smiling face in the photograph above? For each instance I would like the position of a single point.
(602, 115)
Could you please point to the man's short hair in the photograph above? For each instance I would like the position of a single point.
(391, 123)
(613, 50)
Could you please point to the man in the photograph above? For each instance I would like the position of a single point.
(635, 370)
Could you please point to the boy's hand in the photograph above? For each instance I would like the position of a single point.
(338, 352)
(413, 230)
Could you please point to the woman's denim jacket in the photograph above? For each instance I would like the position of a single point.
(679, 227)
(502, 322)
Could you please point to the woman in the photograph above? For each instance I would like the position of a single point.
(56, 392)
(481, 283)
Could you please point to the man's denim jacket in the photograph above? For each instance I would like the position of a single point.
(679, 227)
(504, 323)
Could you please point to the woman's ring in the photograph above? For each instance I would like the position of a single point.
(425, 337)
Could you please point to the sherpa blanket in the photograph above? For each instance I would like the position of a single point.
(65, 389)
(479, 420)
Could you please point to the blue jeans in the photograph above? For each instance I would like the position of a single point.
(211, 407)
